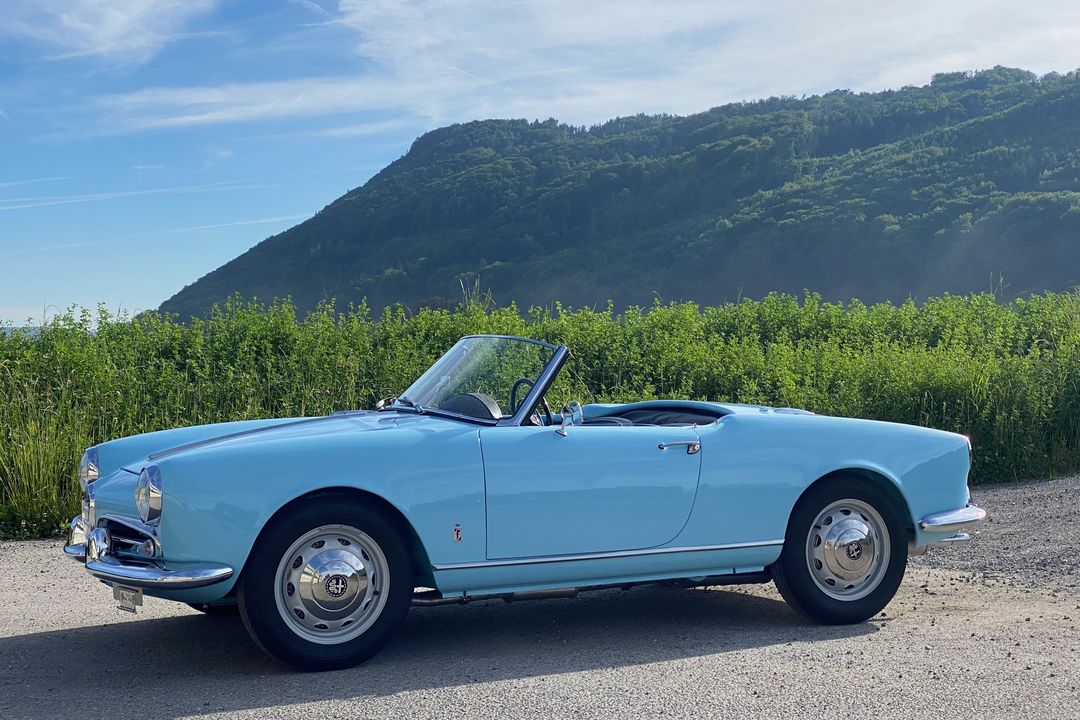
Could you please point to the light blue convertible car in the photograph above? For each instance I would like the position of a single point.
(323, 531)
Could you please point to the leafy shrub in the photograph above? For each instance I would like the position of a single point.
(1007, 375)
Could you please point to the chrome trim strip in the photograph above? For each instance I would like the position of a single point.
(953, 521)
(110, 569)
(439, 413)
(232, 436)
(604, 555)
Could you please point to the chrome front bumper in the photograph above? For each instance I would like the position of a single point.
(951, 521)
(95, 547)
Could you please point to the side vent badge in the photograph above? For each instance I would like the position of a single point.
(455, 534)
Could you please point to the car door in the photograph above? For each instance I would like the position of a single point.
(596, 489)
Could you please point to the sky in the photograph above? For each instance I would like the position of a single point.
(143, 143)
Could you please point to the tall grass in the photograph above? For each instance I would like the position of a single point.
(1008, 375)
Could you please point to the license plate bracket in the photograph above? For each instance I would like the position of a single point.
(127, 598)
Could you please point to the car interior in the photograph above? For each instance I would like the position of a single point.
(673, 414)
(668, 413)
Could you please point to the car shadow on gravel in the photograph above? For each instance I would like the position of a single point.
(194, 664)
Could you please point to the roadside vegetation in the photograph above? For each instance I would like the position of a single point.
(1007, 375)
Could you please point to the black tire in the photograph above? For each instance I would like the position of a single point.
(792, 572)
(258, 587)
(226, 610)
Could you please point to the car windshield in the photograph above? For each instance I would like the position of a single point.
(485, 377)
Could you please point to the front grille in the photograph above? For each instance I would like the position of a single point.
(129, 538)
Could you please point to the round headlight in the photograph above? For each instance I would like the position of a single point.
(148, 494)
(88, 467)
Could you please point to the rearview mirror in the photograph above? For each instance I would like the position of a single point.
(572, 414)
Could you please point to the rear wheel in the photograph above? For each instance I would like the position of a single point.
(844, 554)
(327, 586)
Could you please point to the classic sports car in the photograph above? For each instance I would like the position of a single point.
(323, 531)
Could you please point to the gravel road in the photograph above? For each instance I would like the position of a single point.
(984, 631)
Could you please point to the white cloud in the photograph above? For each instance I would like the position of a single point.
(24, 203)
(361, 129)
(191, 106)
(450, 60)
(33, 181)
(215, 226)
(312, 6)
(590, 61)
(393, 130)
(171, 231)
(44, 248)
(117, 30)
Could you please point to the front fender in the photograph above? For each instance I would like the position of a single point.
(218, 499)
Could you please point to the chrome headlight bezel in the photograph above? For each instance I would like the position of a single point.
(148, 494)
(88, 467)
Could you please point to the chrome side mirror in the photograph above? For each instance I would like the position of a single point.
(570, 416)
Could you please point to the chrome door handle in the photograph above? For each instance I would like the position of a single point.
(692, 446)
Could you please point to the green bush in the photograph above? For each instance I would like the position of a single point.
(1007, 375)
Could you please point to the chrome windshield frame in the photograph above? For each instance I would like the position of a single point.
(548, 345)
(547, 376)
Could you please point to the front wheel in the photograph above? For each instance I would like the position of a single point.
(844, 554)
(327, 586)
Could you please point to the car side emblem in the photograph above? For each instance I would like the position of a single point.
(455, 534)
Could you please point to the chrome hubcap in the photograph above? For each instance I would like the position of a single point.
(332, 584)
(847, 549)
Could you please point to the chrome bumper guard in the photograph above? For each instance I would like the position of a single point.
(95, 547)
(75, 547)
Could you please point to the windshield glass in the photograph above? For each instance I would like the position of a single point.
(483, 377)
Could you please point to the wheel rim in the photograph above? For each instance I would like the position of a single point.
(847, 549)
(332, 584)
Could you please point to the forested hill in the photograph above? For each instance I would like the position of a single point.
(948, 187)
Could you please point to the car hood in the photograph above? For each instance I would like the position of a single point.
(135, 452)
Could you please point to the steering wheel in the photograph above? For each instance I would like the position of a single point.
(514, 405)
(547, 413)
